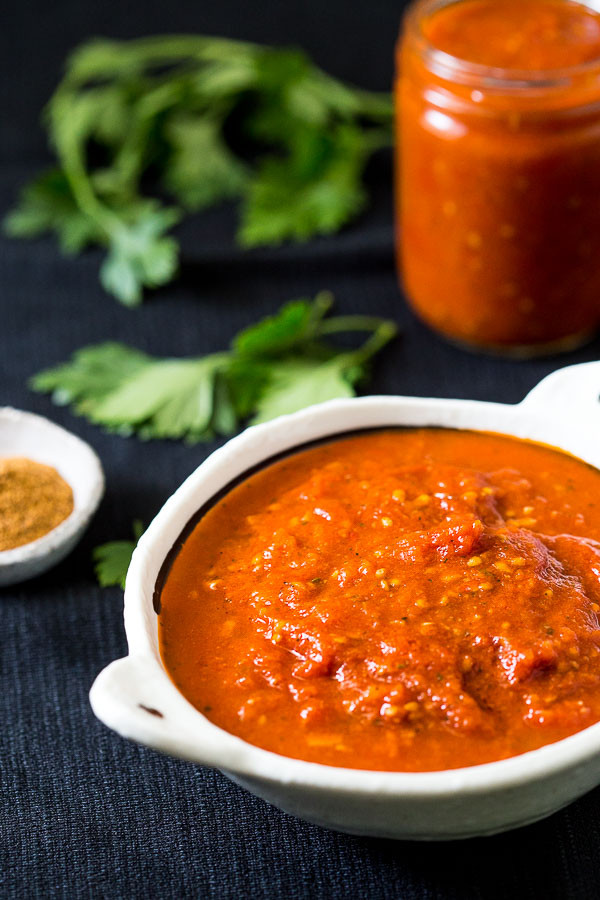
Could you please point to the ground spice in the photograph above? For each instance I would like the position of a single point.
(34, 499)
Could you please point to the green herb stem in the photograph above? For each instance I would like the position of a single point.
(157, 111)
(275, 367)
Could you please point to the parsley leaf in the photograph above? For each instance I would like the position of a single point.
(48, 204)
(91, 375)
(125, 391)
(139, 255)
(295, 324)
(297, 383)
(205, 119)
(201, 170)
(277, 366)
(111, 560)
(170, 398)
(320, 199)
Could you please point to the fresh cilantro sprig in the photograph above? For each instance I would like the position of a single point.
(278, 365)
(202, 119)
(111, 560)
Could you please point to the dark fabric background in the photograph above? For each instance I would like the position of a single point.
(82, 812)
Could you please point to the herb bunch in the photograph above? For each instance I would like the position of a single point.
(202, 120)
(279, 365)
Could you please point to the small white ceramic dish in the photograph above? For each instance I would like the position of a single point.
(26, 434)
(135, 696)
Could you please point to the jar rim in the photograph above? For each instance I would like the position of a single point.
(455, 68)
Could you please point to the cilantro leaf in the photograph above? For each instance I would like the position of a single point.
(206, 119)
(111, 560)
(277, 366)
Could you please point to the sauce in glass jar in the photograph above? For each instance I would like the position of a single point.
(498, 128)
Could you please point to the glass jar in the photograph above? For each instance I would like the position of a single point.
(498, 186)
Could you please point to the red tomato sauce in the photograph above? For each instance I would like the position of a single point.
(517, 34)
(404, 600)
(498, 187)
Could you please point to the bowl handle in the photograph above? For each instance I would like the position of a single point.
(573, 391)
(130, 696)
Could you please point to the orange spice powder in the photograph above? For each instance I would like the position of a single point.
(34, 499)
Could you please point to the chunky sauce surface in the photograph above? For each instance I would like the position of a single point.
(403, 600)
(498, 192)
(517, 34)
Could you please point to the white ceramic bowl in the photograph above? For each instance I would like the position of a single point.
(136, 697)
(25, 434)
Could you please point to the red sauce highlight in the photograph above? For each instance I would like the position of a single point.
(400, 600)
(498, 187)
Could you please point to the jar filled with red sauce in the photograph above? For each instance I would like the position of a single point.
(498, 187)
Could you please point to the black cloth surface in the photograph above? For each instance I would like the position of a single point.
(83, 813)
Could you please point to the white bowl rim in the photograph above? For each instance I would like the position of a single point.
(113, 689)
(80, 515)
